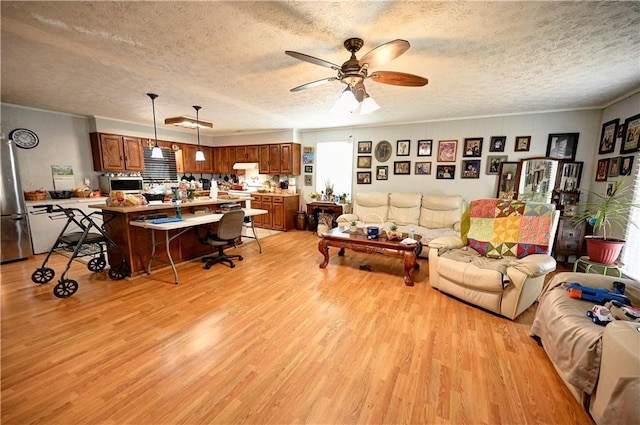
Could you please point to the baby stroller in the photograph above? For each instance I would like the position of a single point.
(80, 243)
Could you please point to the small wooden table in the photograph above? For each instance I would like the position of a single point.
(341, 237)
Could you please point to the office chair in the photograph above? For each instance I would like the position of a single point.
(229, 229)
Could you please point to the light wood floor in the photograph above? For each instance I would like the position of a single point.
(275, 340)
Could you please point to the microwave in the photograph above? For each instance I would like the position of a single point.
(125, 184)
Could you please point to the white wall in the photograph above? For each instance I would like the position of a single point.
(538, 126)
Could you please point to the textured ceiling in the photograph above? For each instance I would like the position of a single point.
(481, 58)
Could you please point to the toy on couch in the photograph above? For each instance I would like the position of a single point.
(599, 295)
(600, 315)
(622, 311)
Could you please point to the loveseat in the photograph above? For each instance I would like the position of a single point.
(600, 365)
(430, 216)
(500, 260)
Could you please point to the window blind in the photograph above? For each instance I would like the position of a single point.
(630, 257)
(157, 170)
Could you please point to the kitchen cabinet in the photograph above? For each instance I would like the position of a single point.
(281, 158)
(112, 152)
(569, 238)
(223, 160)
(248, 153)
(281, 211)
(189, 163)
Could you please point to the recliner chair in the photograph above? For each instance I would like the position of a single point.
(229, 230)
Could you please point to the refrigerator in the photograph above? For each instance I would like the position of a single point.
(14, 227)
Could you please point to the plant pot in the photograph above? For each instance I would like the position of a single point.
(604, 251)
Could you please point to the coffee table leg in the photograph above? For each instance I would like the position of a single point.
(409, 265)
(323, 247)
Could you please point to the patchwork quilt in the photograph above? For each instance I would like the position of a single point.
(502, 228)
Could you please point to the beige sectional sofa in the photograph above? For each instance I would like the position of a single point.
(430, 216)
(600, 365)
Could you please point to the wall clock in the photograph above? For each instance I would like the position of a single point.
(24, 138)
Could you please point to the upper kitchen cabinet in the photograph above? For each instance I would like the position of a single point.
(247, 153)
(112, 152)
(189, 163)
(223, 160)
(282, 158)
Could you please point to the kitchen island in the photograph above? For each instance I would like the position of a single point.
(136, 242)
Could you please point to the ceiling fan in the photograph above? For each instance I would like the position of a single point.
(354, 71)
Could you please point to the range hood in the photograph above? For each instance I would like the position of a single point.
(245, 166)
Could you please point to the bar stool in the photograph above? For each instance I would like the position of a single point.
(248, 224)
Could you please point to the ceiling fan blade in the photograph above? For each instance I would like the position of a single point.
(384, 53)
(312, 59)
(398, 79)
(313, 84)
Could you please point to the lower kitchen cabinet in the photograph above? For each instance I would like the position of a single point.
(281, 211)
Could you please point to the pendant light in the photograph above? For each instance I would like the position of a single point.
(199, 153)
(156, 152)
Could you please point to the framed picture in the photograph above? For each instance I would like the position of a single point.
(308, 180)
(497, 143)
(447, 150)
(445, 172)
(614, 167)
(403, 147)
(423, 168)
(472, 147)
(307, 149)
(603, 169)
(611, 187)
(608, 136)
(364, 161)
(471, 169)
(626, 165)
(382, 172)
(424, 147)
(562, 146)
(365, 147)
(402, 167)
(631, 140)
(522, 143)
(307, 158)
(383, 151)
(507, 180)
(493, 163)
(308, 168)
(363, 177)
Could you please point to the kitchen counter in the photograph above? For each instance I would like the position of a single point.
(136, 242)
(98, 200)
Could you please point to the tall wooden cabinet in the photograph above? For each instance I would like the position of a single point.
(112, 152)
(569, 238)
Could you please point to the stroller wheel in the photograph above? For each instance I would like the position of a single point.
(97, 264)
(119, 273)
(43, 275)
(65, 288)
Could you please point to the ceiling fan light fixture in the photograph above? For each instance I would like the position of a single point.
(368, 105)
(347, 102)
(156, 152)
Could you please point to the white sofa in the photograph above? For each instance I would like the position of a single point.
(431, 216)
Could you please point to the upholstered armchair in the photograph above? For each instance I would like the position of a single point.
(501, 259)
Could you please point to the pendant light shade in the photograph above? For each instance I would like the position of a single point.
(156, 152)
(199, 153)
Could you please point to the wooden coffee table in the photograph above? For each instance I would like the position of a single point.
(340, 237)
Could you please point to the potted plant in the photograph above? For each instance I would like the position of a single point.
(342, 198)
(393, 234)
(606, 213)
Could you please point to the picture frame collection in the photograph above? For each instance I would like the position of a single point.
(625, 135)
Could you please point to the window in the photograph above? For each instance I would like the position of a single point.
(334, 163)
(157, 170)
(629, 256)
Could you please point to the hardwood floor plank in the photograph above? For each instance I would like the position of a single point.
(274, 340)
